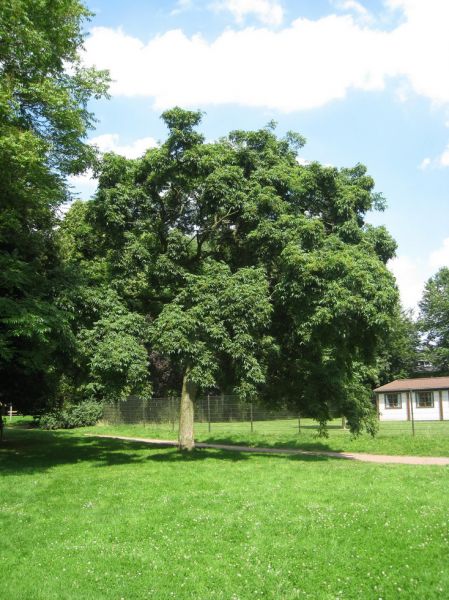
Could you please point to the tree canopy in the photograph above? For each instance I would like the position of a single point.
(44, 92)
(253, 272)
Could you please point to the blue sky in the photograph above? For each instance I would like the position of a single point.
(363, 81)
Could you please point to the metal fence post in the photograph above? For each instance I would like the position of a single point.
(143, 411)
(251, 413)
(299, 423)
(208, 412)
(412, 413)
(172, 413)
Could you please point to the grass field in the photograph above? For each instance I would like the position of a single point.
(102, 519)
(431, 439)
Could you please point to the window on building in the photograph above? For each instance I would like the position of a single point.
(424, 399)
(393, 401)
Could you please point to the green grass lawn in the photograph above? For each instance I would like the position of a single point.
(431, 439)
(91, 518)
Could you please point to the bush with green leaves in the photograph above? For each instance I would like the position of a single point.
(79, 415)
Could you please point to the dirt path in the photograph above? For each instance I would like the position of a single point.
(372, 458)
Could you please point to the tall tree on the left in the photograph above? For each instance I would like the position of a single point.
(44, 118)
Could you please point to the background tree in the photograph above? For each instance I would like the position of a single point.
(43, 119)
(192, 216)
(434, 319)
(109, 355)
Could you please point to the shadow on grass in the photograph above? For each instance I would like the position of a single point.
(28, 451)
(31, 450)
(199, 454)
(287, 444)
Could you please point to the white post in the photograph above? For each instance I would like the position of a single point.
(10, 413)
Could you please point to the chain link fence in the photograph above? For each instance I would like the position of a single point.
(225, 413)
(212, 414)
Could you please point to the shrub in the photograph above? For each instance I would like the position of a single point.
(79, 415)
(52, 420)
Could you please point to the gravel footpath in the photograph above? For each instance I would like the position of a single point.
(372, 458)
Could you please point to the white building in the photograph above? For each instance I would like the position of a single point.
(423, 399)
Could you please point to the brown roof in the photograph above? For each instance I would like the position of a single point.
(422, 383)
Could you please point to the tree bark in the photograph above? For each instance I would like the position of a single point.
(186, 413)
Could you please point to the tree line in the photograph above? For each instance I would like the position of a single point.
(200, 266)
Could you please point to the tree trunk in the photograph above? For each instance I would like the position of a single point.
(188, 395)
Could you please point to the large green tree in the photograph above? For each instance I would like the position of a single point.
(184, 226)
(434, 319)
(44, 118)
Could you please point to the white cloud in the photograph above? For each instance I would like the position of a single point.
(109, 142)
(85, 184)
(83, 179)
(355, 7)
(443, 160)
(269, 12)
(287, 70)
(181, 6)
(422, 46)
(440, 258)
(411, 277)
(425, 163)
(301, 66)
(403, 91)
(412, 274)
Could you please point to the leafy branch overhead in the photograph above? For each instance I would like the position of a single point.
(44, 119)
